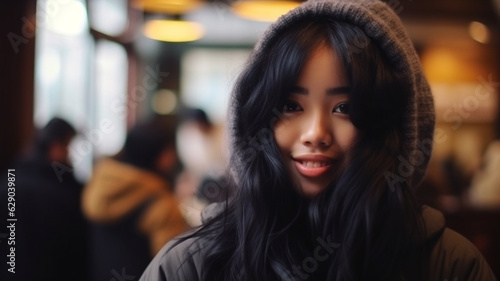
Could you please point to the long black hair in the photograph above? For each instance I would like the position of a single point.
(360, 227)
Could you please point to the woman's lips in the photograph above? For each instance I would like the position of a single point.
(312, 165)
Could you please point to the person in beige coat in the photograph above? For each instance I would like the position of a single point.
(130, 205)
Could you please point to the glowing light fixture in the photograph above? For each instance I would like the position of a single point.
(173, 30)
(479, 32)
(262, 10)
(173, 7)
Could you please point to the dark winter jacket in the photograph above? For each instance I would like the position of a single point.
(451, 256)
(49, 233)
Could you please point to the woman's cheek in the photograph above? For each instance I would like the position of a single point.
(345, 134)
(284, 135)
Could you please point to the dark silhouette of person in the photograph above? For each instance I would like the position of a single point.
(50, 231)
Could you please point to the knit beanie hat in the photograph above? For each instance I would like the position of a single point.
(383, 27)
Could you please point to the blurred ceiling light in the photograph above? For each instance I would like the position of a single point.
(172, 7)
(69, 18)
(164, 102)
(263, 10)
(173, 30)
(479, 32)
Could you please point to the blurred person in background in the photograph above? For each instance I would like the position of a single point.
(50, 231)
(485, 187)
(199, 144)
(130, 202)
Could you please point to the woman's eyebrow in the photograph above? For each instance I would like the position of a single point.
(331, 92)
(338, 91)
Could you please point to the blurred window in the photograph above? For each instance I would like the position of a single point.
(63, 62)
(111, 72)
(81, 80)
(207, 78)
(108, 16)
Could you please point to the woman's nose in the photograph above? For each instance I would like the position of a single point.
(317, 131)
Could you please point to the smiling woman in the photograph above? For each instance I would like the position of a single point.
(316, 132)
(320, 193)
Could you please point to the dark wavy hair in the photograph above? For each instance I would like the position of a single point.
(359, 227)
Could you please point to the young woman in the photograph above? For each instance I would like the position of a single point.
(332, 129)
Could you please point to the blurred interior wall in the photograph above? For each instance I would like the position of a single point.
(17, 50)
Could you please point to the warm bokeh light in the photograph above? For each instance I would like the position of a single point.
(479, 32)
(172, 7)
(164, 102)
(261, 10)
(443, 65)
(173, 30)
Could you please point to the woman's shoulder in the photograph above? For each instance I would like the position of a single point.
(181, 259)
(452, 256)
(455, 258)
(178, 260)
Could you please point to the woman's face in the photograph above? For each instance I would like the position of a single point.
(316, 132)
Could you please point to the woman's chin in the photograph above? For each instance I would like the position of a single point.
(310, 191)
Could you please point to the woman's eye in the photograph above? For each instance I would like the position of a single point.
(342, 108)
(291, 106)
